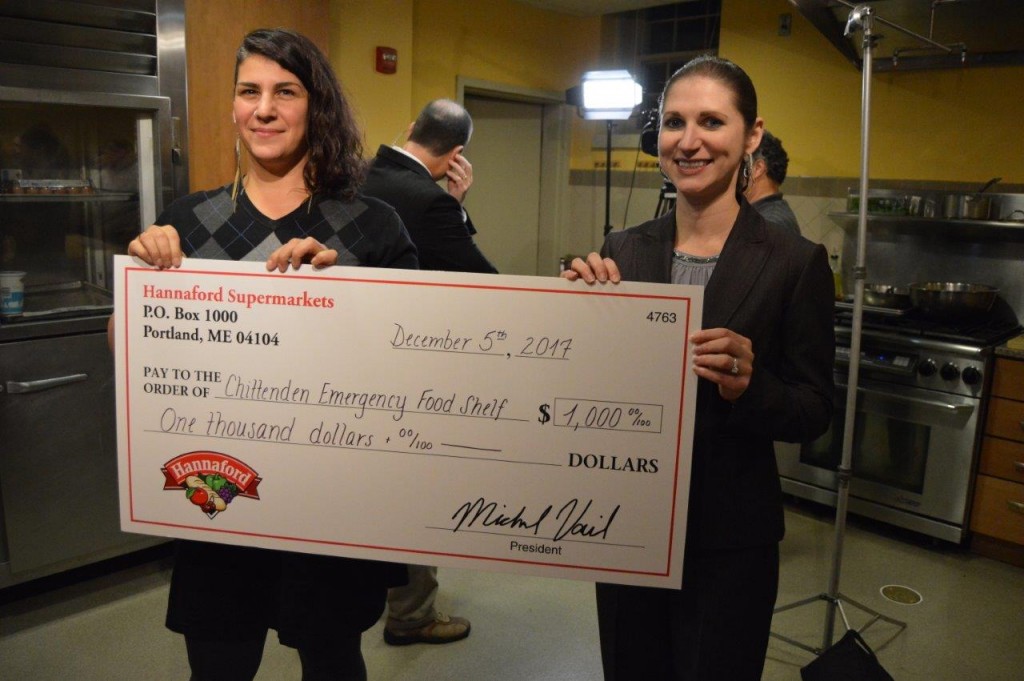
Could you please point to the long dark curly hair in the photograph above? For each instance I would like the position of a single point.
(334, 140)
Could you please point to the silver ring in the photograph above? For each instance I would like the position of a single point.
(735, 367)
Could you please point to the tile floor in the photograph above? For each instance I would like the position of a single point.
(969, 625)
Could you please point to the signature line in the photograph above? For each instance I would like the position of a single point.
(530, 536)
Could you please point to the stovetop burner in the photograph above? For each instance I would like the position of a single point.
(998, 326)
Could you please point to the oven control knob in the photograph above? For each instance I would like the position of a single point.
(971, 376)
(950, 371)
(926, 367)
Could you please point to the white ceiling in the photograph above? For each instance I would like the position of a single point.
(593, 7)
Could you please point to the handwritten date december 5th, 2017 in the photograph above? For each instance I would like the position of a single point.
(495, 342)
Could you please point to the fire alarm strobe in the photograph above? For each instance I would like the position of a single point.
(387, 60)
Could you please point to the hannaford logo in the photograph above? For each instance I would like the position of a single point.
(211, 480)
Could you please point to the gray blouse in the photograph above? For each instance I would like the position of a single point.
(691, 269)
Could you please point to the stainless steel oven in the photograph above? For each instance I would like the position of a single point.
(93, 143)
(920, 402)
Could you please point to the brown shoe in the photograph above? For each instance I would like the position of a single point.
(444, 629)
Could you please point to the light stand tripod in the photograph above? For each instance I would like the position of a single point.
(608, 181)
(666, 199)
(860, 17)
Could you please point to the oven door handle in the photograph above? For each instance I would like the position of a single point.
(43, 383)
(945, 406)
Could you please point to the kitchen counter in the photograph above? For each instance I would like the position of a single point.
(1012, 348)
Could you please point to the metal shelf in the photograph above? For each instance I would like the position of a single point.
(989, 228)
(68, 198)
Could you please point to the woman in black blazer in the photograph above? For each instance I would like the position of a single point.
(765, 357)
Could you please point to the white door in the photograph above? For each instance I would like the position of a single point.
(504, 201)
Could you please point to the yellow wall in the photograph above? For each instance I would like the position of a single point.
(946, 125)
(382, 101)
(943, 125)
(501, 41)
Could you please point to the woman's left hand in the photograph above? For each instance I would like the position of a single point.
(298, 251)
(725, 358)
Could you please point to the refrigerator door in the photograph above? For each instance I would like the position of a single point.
(77, 183)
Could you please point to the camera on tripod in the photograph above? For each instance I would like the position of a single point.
(649, 125)
(649, 131)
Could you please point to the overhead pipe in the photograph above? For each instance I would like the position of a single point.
(856, 8)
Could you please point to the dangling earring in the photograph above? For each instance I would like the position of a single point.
(746, 170)
(236, 185)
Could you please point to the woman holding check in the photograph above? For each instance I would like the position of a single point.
(764, 357)
(298, 203)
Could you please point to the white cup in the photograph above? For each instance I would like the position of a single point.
(12, 293)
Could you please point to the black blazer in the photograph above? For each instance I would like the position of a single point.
(442, 233)
(776, 289)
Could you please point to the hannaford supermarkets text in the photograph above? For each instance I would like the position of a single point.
(248, 299)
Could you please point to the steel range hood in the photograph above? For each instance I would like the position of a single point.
(926, 34)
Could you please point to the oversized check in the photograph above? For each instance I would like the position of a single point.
(520, 424)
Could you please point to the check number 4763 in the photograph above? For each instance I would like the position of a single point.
(662, 317)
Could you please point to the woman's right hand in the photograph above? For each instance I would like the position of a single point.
(594, 268)
(159, 246)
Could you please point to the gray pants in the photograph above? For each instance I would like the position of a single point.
(412, 606)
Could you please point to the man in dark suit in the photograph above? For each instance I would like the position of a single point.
(407, 178)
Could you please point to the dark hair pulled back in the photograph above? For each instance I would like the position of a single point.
(726, 72)
(744, 95)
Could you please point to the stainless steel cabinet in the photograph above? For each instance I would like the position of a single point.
(93, 144)
(58, 457)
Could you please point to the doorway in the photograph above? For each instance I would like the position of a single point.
(520, 156)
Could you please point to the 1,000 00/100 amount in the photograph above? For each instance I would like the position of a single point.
(601, 415)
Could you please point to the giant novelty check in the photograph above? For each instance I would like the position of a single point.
(520, 424)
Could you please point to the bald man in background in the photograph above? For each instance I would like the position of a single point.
(407, 178)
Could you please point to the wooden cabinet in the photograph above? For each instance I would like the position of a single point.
(997, 517)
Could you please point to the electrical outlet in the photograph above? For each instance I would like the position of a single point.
(785, 24)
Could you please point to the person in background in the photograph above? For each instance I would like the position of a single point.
(764, 360)
(297, 203)
(406, 177)
(767, 174)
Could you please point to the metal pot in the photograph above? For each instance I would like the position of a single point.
(971, 206)
(952, 301)
(966, 207)
(887, 295)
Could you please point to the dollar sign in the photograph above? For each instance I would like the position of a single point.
(544, 416)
